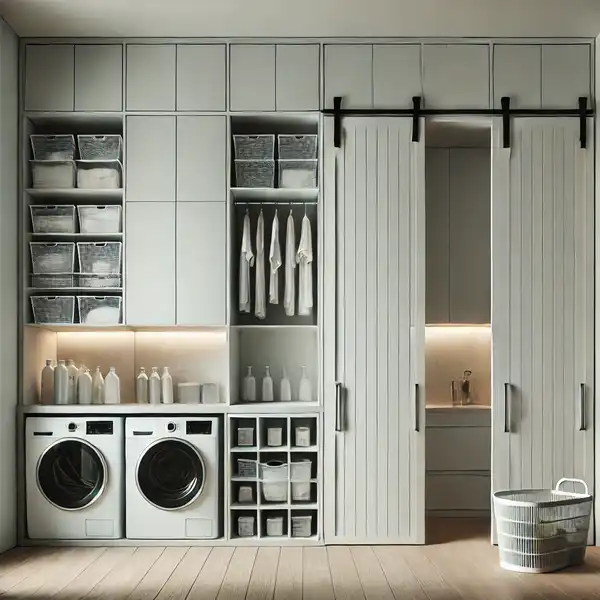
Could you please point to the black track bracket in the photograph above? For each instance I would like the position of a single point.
(337, 122)
(582, 103)
(505, 104)
(416, 118)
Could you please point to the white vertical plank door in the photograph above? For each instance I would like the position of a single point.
(542, 305)
(374, 308)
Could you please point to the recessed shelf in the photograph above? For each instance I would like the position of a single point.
(273, 449)
(155, 329)
(304, 449)
(242, 506)
(244, 449)
(274, 408)
(67, 122)
(244, 479)
(102, 237)
(75, 194)
(274, 327)
(71, 290)
(126, 408)
(282, 195)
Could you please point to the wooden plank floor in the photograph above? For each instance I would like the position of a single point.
(458, 563)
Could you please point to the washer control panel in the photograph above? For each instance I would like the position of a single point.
(98, 427)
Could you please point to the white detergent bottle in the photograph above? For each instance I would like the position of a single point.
(112, 387)
(285, 393)
(304, 391)
(97, 387)
(249, 387)
(84, 388)
(141, 387)
(166, 384)
(61, 383)
(47, 391)
(267, 386)
(73, 372)
(154, 386)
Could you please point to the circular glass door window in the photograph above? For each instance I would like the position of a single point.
(71, 474)
(171, 474)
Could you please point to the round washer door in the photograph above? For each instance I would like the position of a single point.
(72, 474)
(171, 474)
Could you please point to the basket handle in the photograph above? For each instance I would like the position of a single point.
(580, 481)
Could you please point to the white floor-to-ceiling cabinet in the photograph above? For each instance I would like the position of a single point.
(374, 372)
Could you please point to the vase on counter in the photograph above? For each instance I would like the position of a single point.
(72, 372)
(47, 389)
(141, 387)
(267, 386)
(304, 391)
(61, 383)
(97, 387)
(166, 384)
(84, 388)
(112, 387)
(154, 386)
(285, 394)
(249, 387)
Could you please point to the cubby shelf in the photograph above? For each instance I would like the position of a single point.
(76, 194)
(76, 237)
(282, 195)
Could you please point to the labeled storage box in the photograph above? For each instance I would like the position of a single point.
(255, 173)
(53, 147)
(297, 147)
(99, 219)
(297, 174)
(98, 175)
(52, 257)
(100, 147)
(99, 257)
(246, 526)
(246, 467)
(53, 219)
(53, 310)
(99, 310)
(53, 174)
(302, 526)
(254, 147)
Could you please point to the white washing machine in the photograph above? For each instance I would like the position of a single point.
(74, 477)
(172, 477)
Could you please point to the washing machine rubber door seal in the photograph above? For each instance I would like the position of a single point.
(71, 474)
(171, 474)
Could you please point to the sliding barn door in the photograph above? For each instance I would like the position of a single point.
(543, 295)
(373, 333)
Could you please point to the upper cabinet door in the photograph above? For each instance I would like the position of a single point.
(396, 75)
(150, 77)
(565, 75)
(252, 77)
(297, 74)
(349, 74)
(49, 77)
(99, 77)
(201, 76)
(456, 76)
(201, 159)
(518, 74)
(150, 159)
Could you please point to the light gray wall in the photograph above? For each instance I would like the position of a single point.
(8, 282)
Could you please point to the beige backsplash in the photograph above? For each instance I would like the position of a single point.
(450, 350)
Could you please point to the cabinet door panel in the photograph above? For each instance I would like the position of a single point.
(49, 77)
(297, 73)
(349, 73)
(150, 263)
(252, 77)
(99, 77)
(456, 76)
(201, 76)
(396, 75)
(150, 159)
(201, 159)
(150, 77)
(565, 75)
(518, 74)
(201, 263)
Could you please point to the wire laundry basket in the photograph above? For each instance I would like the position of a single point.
(542, 530)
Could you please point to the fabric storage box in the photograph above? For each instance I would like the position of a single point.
(99, 219)
(275, 491)
(53, 219)
(254, 147)
(53, 174)
(274, 526)
(255, 173)
(246, 467)
(297, 147)
(188, 392)
(99, 310)
(53, 281)
(302, 526)
(98, 281)
(274, 470)
(55, 257)
(55, 310)
(97, 175)
(245, 494)
(302, 437)
(301, 491)
(301, 470)
(246, 526)
(99, 147)
(53, 147)
(99, 257)
(274, 437)
(297, 174)
(245, 436)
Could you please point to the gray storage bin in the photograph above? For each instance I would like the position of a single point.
(297, 147)
(53, 310)
(99, 147)
(246, 526)
(56, 257)
(99, 219)
(53, 147)
(53, 174)
(302, 526)
(55, 281)
(99, 175)
(254, 147)
(99, 257)
(98, 281)
(297, 174)
(247, 467)
(53, 219)
(255, 173)
(99, 310)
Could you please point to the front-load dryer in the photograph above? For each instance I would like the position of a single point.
(74, 477)
(172, 477)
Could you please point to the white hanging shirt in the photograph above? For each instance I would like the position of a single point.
(289, 295)
(274, 261)
(246, 261)
(304, 257)
(260, 303)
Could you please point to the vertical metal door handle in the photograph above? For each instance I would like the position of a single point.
(582, 407)
(506, 408)
(338, 406)
(417, 407)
